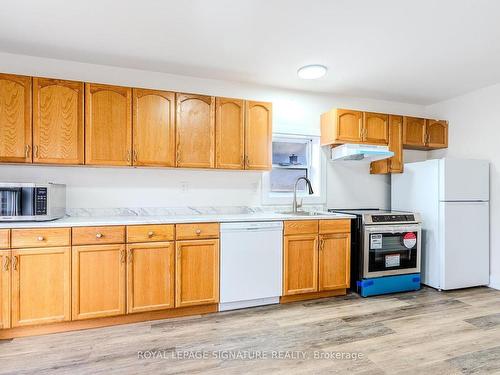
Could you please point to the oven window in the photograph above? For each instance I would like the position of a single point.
(392, 251)
(10, 202)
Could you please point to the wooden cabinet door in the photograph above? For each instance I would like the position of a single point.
(394, 164)
(150, 276)
(229, 133)
(414, 132)
(108, 124)
(195, 131)
(154, 128)
(258, 135)
(15, 119)
(375, 128)
(437, 134)
(58, 121)
(396, 143)
(5, 289)
(334, 261)
(196, 272)
(41, 285)
(98, 281)
(349, 125)
(300, 264)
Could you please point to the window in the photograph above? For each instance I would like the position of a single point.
(294, 156)
(291, 160)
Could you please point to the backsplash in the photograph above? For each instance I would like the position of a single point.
(173, 211)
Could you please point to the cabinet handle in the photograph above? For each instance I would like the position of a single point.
(198, 232)
(135, 156)
(242, 161)
(36, 151)
(27, 152)
(130, 255)
(6, 262)
(14, 262)
(151, 234)
(40, 238)
(321, 244)
(99, 235)
(128, 155)
(178, 155)
(122, 256)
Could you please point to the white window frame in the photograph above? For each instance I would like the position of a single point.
(317, 167)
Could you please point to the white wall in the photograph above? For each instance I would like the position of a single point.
(293, 112)
(474, 132)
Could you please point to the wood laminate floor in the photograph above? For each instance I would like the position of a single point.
(424, 332)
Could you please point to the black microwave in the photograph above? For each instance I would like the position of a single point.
(32, 202)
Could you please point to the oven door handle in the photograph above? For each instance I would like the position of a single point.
(393, 229)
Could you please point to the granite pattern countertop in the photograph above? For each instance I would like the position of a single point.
(95, 220)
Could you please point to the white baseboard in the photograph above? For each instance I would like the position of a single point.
(494, 282)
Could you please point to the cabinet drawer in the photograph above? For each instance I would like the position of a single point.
(4, 238)
(194, 231)
(301, 227)
(98, 235)
(334, 226)
(150, 233)
(41, 237)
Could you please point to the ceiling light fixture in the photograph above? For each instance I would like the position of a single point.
(312, 71)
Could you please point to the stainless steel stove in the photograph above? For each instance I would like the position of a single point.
(383, 243)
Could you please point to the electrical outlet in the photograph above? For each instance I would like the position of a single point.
(184, 186)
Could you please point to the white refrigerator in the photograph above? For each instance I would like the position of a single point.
(452, 196)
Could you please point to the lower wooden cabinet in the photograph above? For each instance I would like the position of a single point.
(334, 261)
(5, 291)
(150, 276)
(41, 280)
(98, 281)
(317, 258)
(197, 272)
(300, 259)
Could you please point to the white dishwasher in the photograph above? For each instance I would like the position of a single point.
(250, 264)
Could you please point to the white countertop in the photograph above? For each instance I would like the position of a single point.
(83, 221)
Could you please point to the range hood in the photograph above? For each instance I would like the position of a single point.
(360, 152)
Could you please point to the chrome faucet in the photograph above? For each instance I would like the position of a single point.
(295, 205)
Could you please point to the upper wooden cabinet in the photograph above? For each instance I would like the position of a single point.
(58, 121)
(437, 134)
(375, 128)
(258, 135)
(414, 132)
(154, 128)
(108, 125)
(422, 134)
(5, 289)
(41, 285)
(394, 164)
(341, 126)
(195, 131)
(15, 119)
(229, 133)
(347, 126)
(197, 272)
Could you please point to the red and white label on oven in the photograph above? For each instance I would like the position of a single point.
(409, 240)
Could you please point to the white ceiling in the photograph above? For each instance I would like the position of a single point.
(418, 51)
